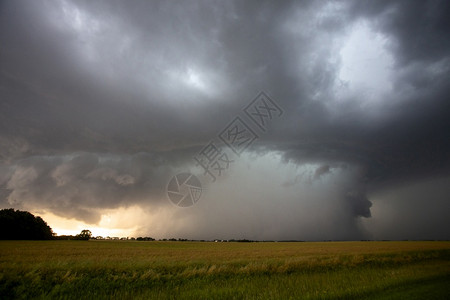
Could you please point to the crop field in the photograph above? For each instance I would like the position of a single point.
(207, 270)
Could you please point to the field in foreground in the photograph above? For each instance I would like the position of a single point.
(203, 270)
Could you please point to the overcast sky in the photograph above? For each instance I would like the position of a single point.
(103, 102)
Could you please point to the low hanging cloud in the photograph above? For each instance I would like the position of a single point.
(321, 171)
(81, 185)
(102, 103)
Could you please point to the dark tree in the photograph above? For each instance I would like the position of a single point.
(22, 225)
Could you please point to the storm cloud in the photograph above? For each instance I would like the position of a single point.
(101, 103)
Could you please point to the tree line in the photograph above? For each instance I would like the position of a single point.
(23, 225)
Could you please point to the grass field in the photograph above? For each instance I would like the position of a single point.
(204, 270)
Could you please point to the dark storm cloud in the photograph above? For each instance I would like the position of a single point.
(101, 101)
(419, 29)
(414, 137)
(70, 88)
(410, 137)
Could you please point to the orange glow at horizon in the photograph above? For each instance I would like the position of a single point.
(111, 223)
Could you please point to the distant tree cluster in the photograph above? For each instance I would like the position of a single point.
(22, 225)
(84, 235)
(145, 238)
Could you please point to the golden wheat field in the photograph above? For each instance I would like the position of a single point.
(229, 270)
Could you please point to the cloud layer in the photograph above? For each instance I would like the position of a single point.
(102, 103)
